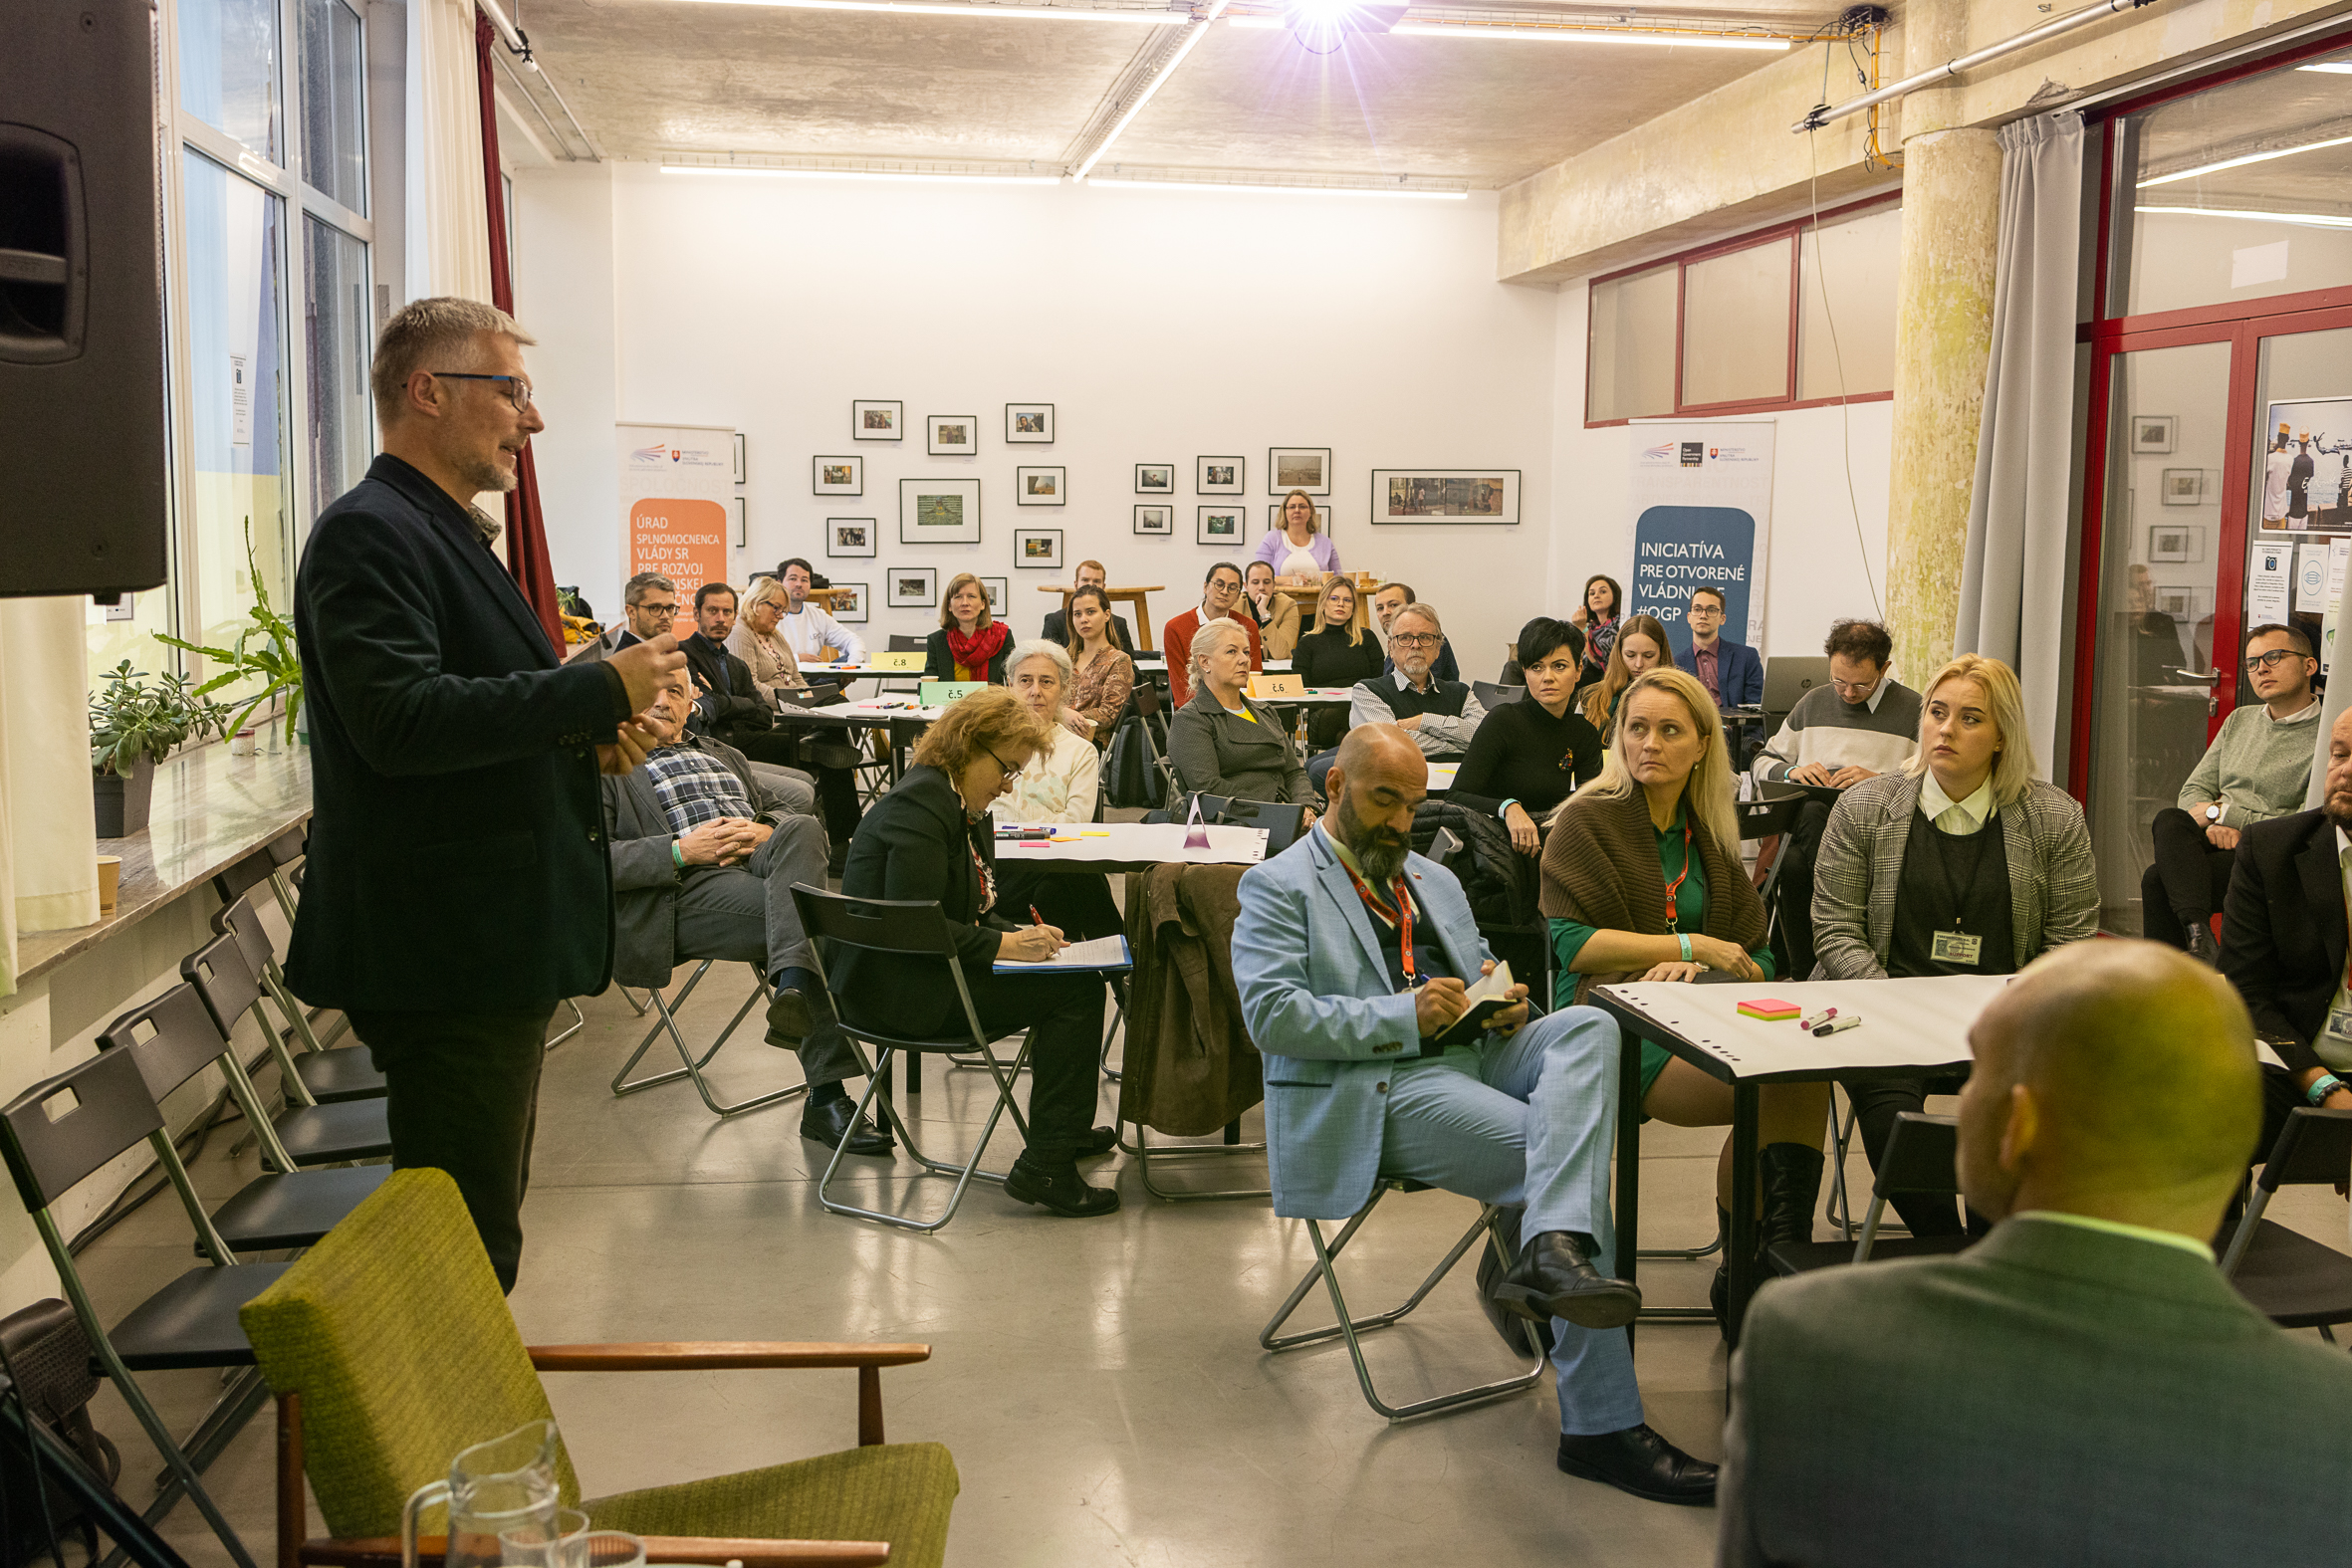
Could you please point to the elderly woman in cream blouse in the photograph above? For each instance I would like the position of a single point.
(1057, 785)
(775, 670)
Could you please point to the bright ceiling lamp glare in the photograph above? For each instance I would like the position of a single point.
(902, 175)
(2334, 68)
(2312, 220)
(1321, 26)
(2250, 157)
(1048, 13)
(1584, 35)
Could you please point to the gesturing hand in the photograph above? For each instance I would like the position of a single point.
(626, 749)
(644, 666)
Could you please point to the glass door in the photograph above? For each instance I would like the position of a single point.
(2300, 515)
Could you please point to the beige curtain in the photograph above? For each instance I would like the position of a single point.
(448, 214)
(47, 833)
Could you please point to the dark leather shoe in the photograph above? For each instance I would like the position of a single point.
(1059, 1190)
(1640, 1461)
(788, 1020)
(826, 1123)
(1098, 1140)
(1523, 1335)
(1555, 1277)
(2202, 945)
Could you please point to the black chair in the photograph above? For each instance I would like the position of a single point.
(1282, 823)
(1919, 1158)
(2292, 1279)
(341, 1072)
(53, 1136)
(691, 1066)
(1351, 1329)
(1491, 696)
(174, 1038)
(903, 928)
(309, 1132)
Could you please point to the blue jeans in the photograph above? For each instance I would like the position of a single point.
(1530, 1119)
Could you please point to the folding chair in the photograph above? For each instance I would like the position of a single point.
(1490, 697)
(2292, 1279)
(309, 1132)
(904, 929)
(53, 1136)
(1351, 1329)
(1919, 1158)
(666, 1021)
(174, 1037)
(343, 1072)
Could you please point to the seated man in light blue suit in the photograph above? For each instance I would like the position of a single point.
(1350, 954)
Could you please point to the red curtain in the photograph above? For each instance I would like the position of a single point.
(526, 526)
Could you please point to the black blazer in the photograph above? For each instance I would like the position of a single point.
(731, 701)
(2282, 930)
(940, 665)
(916, 844)
(457, 847)
(1056, 631)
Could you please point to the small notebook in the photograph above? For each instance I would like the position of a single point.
(1487, 996)
(1102, 952)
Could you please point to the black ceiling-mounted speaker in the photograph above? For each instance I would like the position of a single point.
(83, 469)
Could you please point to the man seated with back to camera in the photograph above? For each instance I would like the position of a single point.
(2082, 1386)
(1864, 723)
(1350, 955)
(1440, 715)
(2257, 768)
(1390, 598)
(703, 863)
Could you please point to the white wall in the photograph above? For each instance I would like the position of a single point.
(1163, 325)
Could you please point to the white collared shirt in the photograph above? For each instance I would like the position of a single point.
(2303, 715)
(1961, 818)
(2138, 1232)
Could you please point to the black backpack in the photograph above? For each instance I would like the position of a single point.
(50, 1357)
(1132, 766)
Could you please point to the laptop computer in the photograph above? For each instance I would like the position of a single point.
(1787, 679)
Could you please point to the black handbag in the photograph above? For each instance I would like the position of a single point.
(50, 1358)
(1131, 776)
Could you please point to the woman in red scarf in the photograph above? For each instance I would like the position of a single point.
(971, 644)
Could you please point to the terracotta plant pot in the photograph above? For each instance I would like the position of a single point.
(123, 801)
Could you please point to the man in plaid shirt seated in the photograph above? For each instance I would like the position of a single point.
(704, 858)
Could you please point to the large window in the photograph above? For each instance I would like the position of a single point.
(1774, 319)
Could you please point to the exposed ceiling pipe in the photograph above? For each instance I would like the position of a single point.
(1197, 30)
(520, 46)
(1822, 113)
(563, 148)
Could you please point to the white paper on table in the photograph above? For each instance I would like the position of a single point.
(1134, 843)
(1441, 777)
(1102, 952)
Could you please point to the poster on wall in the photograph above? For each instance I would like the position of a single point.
(1702, 504)
(676, 484)
(2304, 464)
(2267, 579)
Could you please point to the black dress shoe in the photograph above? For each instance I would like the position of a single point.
(836, 859)
(826, 1123)
(1059, 1190)
(1525, 1336)
(1555, 1277)
(788, 1020)
(1097, 1140)
(1640, 1461)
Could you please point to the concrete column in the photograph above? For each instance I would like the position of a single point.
(1943, 341)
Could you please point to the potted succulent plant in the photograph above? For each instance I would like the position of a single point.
(264, 650)
(134, 725)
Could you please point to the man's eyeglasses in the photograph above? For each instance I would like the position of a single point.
(518, 390)
(1415, 639)
(1852, 689)
(2258, 662)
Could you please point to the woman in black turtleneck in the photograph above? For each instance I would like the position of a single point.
(1528, 756)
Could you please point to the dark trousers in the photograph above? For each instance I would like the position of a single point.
(1793, 935)
(462, 1095)
(1064, 1015)
(2186, 882)
(1876, 1103)
(837, 786)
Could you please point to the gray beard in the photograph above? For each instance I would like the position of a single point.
(487, 475)
(1381, 858)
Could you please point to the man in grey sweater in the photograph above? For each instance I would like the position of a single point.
(2255, 770)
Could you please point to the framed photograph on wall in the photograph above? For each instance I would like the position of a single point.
(1156, 519)
(1220, 476)
(2181, 543)
(952, 435)
(743, 525)
(1155, 479)
(999, 595)
(2184, 487)
(1030, 424)
(848, 602)
(838, 476)
(2182, 602)
(2152, 432)
(1445, 495)
(1040, 486)
(1221, 525)
(1273, 518)
(1037, 547)
(739, 459)
(1306, 468)
(848, 538)
(914, 587)
(878, 421)
(938, 511)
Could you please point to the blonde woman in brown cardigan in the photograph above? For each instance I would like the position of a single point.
(1642, 880)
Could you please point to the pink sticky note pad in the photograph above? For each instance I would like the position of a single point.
(1771, 1009)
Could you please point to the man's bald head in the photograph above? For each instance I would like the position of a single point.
(1375, 785)
(1380, 749)
(2336, 799)
(2113, 1078)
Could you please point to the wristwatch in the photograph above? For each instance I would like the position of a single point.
(2213, 812)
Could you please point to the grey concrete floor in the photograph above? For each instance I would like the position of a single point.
(1098, 1382)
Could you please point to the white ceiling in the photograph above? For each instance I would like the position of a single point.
(654, 77)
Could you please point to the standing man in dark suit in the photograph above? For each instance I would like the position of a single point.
(458, 886)
(2284, 944)
(2082, 1386)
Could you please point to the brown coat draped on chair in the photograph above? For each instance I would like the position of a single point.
(1190, 1065)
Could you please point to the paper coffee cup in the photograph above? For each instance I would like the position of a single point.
(110, 877)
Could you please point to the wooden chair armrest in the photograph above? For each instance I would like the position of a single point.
(384, 1552)
(697, 1355)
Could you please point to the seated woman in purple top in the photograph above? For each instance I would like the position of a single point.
(1296, 551)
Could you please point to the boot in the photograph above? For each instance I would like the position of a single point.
(1792, 1186)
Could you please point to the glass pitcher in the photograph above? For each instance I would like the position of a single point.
(502, 1484)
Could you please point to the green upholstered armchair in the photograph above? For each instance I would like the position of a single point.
(391, 1348)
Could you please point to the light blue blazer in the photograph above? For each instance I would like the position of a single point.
(1316, 994)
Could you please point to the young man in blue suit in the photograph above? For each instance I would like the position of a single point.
(1353, 955)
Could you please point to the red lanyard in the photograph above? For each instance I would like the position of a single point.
(1673, 914)
(1402, 920)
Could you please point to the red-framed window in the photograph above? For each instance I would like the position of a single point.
(1770, 320)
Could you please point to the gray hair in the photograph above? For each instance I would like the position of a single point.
(1427, 612)
(1204, 644)
(760, 591)
(644, 582)
(1042, 648)
(424, 331)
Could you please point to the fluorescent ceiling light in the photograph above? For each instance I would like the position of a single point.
(2250, 157)
(2317, 220)
(1061, 13)
(1281, 191)
(896, 174)
(2339, 68)
(1551, 35)
(1192, 36)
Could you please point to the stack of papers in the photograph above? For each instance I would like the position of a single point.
(1102, 952)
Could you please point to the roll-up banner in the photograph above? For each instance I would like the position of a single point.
(1702, 509)
(677, 484)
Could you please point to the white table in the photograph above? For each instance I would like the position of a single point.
(1132, 846)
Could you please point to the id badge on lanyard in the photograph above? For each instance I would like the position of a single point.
(1956, 947)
